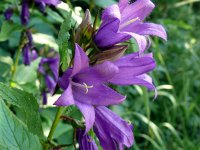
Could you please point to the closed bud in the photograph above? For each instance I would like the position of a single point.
(110, 54)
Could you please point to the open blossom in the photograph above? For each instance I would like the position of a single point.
(133, 69)
(111, 130)
(84, 86)
(125, 20)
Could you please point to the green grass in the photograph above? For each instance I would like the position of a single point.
(171, 121)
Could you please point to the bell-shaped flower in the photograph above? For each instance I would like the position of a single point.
(133, 69)
(84, 86)
(25, 14)
(112, 131)
(125, 20)
(48, 67)
(85, 141)
(48, 2)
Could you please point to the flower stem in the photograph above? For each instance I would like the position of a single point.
(15, 64)
(54, 125)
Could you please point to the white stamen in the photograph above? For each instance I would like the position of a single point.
(129, 22)
(84, 85)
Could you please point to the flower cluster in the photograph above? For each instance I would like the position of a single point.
(85, 83)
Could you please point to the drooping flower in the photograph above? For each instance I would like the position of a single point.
(28, 54)
(25, 14)
(111, 130)
(8, 13)
(48, 2)
(85, 86)
(133, 69)
(48, 67)
(125, 20)
(85, 141)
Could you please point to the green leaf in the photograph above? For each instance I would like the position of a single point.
(26, 76)
(27, 107)
(7, 29)
(63, 37)
(14, 133)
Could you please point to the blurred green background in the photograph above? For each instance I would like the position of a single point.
(172, 121)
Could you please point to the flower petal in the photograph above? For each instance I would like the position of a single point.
(108, 124)
(88, 113)
(63, 82)
(140, 8)
(140, 39)
(85, 141)
(98, 74)
(49, 2)
(80, 60)
(143, 80)
(109, 28)
(50, 83)
(66, 98)
(151, 29)
(99, 95)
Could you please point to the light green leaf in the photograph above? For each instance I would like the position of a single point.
(63, 37)
(26, 76)
(14, 133)
(7, 29)
(27, 107)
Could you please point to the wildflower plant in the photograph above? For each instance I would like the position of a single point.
(80, 75)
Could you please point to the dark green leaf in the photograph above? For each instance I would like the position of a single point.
(27, 107)
(14, 133)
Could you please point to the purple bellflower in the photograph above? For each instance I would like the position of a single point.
(28, 55)
(48, 2)
(125, 20)
(133, 69)
(8, 13)
(50, 75)
(84, 86)
(85, 141)
(25, 14)
(112, 131)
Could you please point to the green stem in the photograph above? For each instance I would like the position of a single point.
(54, 125)
(21, 45)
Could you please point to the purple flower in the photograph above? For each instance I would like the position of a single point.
(85, 86)
(85, 141)
(26, 54)
(8, 13)
(112, 131)
(25, 14)
(125, 20)
(48, 2)
(49, 68)
(133, 69)
(44, 97)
